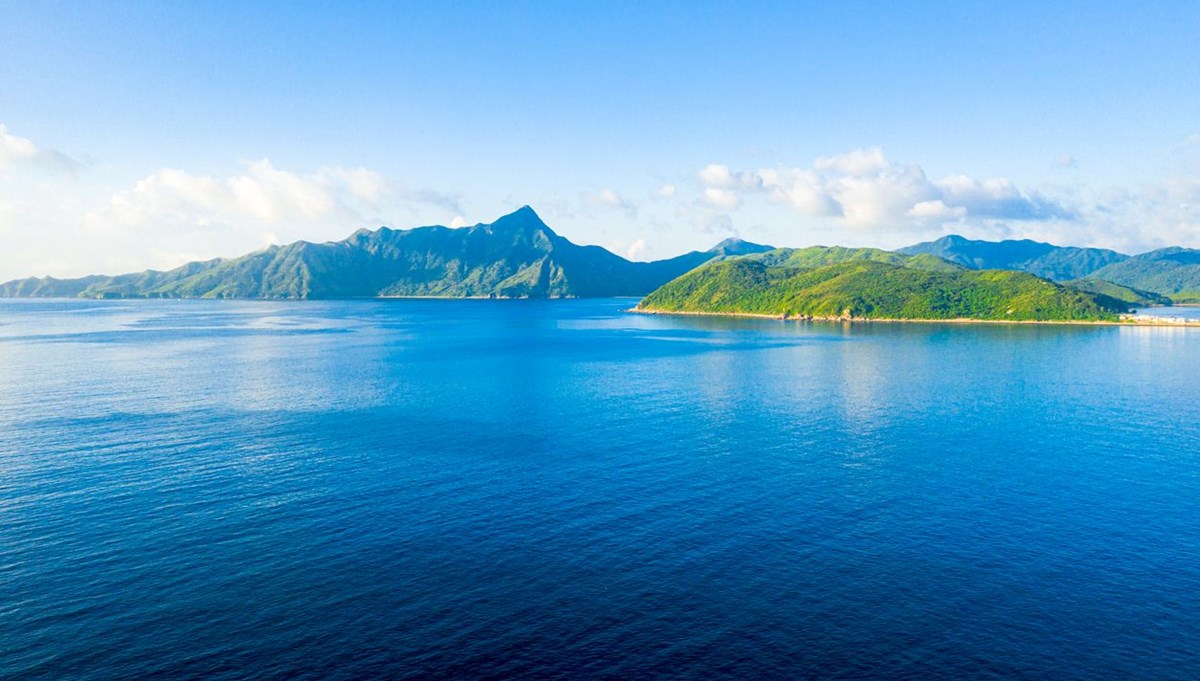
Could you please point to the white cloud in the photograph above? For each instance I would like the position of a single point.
(872, 196)
(66, 224)
(362, 183)
(998, 198)
(610, 198)
(716, 175)
(724, 199)
(705, 218)
(936, 210)
(802, 189)
(261, 196)
(172, 216)
(857, 163)
(1184, 190)
(862, 189)
(720, 176)
(1166, 213)
(16, 150)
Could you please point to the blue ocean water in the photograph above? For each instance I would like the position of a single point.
(560, 490)
(1183, 311)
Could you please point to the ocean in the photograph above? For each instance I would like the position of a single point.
(434, 489)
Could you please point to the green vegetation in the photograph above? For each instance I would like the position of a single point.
(1124, 294)
(868, 289)
(1058, 263)
(1173, 272)
(47, 287)
(517, 256)
(817, 256)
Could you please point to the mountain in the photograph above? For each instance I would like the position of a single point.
(517, 256)
(816, 256)
(1126, 294)
(48, 287)
(869, 289)
(1058, 263)
(734, 246)
(1173, 272)
(666, 270)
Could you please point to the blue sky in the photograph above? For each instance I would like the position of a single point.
(145, 134)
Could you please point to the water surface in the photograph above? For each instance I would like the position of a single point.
(1183, 311)
(498, 489)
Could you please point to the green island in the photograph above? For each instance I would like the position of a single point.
(873, 289)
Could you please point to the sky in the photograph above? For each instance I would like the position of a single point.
(140, 135)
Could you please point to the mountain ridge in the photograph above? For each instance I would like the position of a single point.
(519, 256)
(1173, 272)
(1057, 263)
(515, 256)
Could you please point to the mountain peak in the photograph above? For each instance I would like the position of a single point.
(524, 213)
(735, 246)
(951, 239)
(521, 218)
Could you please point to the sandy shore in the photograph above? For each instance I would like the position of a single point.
(1126, 320)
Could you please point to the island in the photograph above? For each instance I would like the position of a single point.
(867, 288)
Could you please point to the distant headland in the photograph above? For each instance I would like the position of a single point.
(519, 256)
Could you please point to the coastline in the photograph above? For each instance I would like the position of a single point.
(1126, 320)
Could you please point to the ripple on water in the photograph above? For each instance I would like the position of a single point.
(445, 489)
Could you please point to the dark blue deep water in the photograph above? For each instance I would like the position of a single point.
(559, 490)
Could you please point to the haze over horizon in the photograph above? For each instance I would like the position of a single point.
(138, 136)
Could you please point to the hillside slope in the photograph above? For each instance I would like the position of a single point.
(1172, 272)
(868, 289)
(816, 256)
(1058, 263)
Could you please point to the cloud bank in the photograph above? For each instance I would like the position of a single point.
(262, 195)
(65, 218)
(863, 189)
